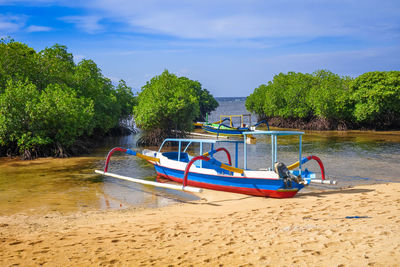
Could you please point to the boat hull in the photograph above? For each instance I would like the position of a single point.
(225, 132)
(244, 185)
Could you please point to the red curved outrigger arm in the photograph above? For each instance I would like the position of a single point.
(212, 152)
(321, 165)
(190, 164)
(110, 153)
(227, 154)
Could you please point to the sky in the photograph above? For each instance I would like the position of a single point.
(230, 46)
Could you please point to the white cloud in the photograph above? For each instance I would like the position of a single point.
(224, 19)
(238, 26)
(89, 24)
(8, 26)
(34, 2)
(36, 28)
(11, 24)
(238, 19)
(350, 62)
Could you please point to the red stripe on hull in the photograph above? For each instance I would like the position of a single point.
(240, 190)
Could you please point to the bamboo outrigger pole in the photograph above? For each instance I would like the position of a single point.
(140, 181)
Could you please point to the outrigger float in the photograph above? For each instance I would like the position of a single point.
(204, 171)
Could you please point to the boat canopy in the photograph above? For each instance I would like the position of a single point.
(241, 117)
(201, 142)
(274, 144)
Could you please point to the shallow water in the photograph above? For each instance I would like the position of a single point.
(69, 185)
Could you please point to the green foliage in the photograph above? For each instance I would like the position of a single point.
(255, 101)
(31, 119)
(377, 97)
(61, 116)
(90, 83)
(166, 103)
(46, 100)
(329, 96)
(125, 99)
(56, 65)
(15, 116)
(371, 100)
(286, 96)
(207, 102)
(17, 62)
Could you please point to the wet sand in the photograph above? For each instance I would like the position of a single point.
(220, 229)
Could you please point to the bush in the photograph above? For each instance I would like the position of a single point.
(329, 96)
(31, 120)
(372, 100)
(47, 101)
(255, 101)
(16, 124)
(207, 102)
(17, 62)
(377, 98)
(286, 96)
(61, 116)
(167, 105)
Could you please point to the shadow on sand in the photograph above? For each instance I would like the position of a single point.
(332, 192)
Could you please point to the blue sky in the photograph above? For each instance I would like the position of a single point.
(231, 47)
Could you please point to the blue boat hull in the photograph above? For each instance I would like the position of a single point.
(249, 186)
(233, 131)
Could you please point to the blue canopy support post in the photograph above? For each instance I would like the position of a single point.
(236, 154)
(201, 153)
(244, 152)
(179, 150)
(274, 143)
(272, 152)
(300, 145)
(276, 148)
(187, 146)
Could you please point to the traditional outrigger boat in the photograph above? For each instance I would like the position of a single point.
(204, 171)
(221, 128)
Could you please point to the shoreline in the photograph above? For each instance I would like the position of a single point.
(310, 229)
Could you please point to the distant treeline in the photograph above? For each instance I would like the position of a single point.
(49, 104)
(232, 98)
(326, 101)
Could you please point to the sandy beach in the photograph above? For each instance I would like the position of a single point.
(222, 229)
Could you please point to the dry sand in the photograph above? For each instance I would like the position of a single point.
(221, 229)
